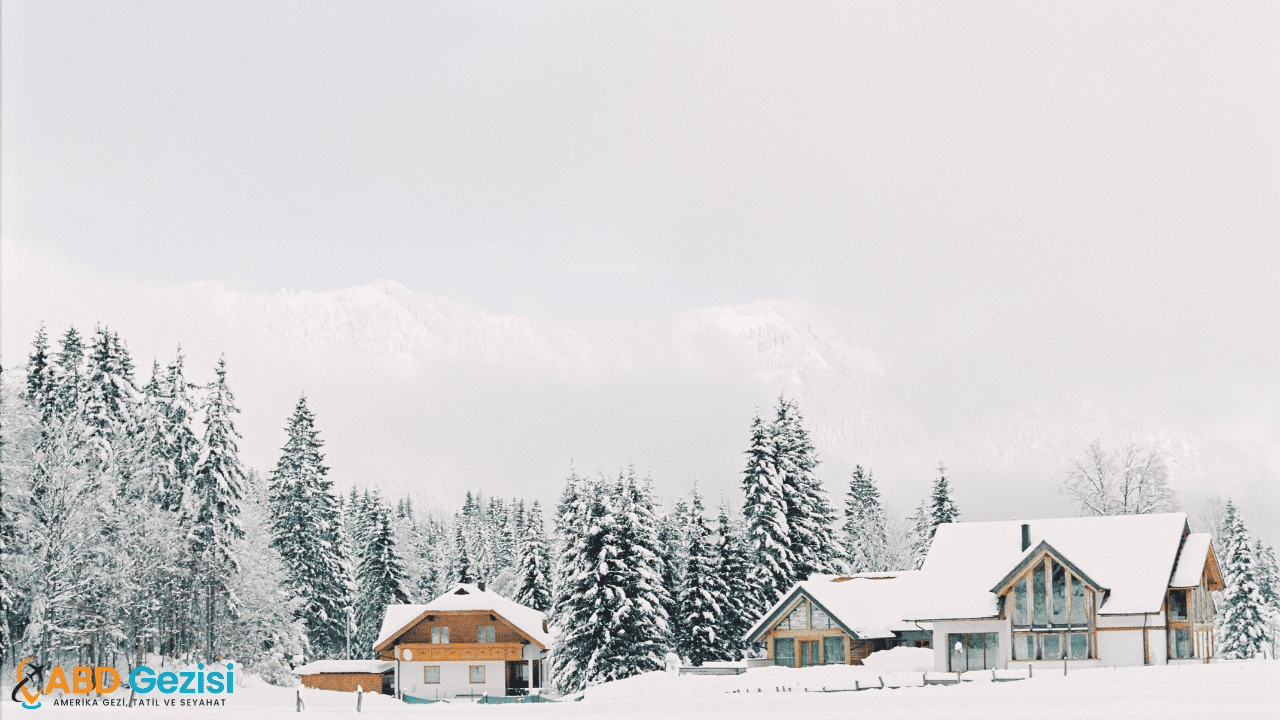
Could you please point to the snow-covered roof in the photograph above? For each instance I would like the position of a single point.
(1191, 561)
(316, 667)
(1132, 556)
(460, 598)
(867, 605)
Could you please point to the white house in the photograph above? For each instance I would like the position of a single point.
(467, 642)
(1117, 590)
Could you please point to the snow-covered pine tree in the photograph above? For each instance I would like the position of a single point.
(41, 384)
(461, 572)
(1269, 589)
(673, 539)
(864, 525)
(636, 623)
(740, 608)
(1243, 626)
(68, 374)
(943, 508)
(380, 580)
(810, 518)
(109, 388)
(534, 589)
(764, 508)
(585, 585)
(212, 507)
(181, 446)
(922, 534)
(702, 600)
(304, 530)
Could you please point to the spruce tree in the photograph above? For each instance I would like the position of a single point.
(179, 444)
(380, 580)
(68, 373)
(462, 571)
(740, 609)
(810, 518)
(764, 508)
(943, 508)
(864, 525)
(586, 584)
(305, 531)
(1243, 625)
(534, 589)
(109, 389)
(922, 534)
(638, 633)
(213, 508)
(41, 385)
(673, 541)
(702, 601)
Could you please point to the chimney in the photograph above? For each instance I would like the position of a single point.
(480, 583)
(1026, 536)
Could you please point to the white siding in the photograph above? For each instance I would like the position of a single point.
(1122, 648)
(455, 679)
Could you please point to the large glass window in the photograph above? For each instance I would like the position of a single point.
(1038, 597)
(833, 650)
(1024, 647)
(1078, 646)
(974, 651)
(1020, 603)
(1079, 603)
(1059, 594)
(784, 652)
(1177, 604)
(1052, 646)
(809, 653)
(1181, 643)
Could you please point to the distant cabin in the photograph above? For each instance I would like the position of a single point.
(838, 620)
(1089, 591)
(467, 642)
(372, 676)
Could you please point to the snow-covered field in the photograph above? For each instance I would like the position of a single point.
(1224, 690)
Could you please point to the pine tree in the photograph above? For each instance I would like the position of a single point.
(304, 530)
(585, 586)
(180, 447)
(212, 508)
(68, 373)
(637, 623)
(109, 389)
(534, 589)
(1243, 625)
(381, 581)
(740, 608)
(764, 508)
(41, 385)
(864, 525)
(943, 508)
(810, 518)
(462, 571)
(673, 540)
(703, 596)
(922, 534)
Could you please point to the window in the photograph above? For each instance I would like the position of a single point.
(439, 635)
(477, 673)
(833, 650)
(485, 633)
(522, 671)
(1079, 606)
(1050, 597)
(809, 653)
(431, 674)
(1038, 597)
(1020, 604)
(974, 651)
(784, 652)
(1078, 646)
(1059, 594)
(1050, 646)
(818, 620)
(795, 620)
(1177, 604)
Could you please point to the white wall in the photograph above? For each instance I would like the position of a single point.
(1123, 648)
(455, 679)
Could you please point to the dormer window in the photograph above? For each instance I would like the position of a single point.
(1052, 610)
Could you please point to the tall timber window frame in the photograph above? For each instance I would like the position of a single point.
(1053, 612)
(1189, 620)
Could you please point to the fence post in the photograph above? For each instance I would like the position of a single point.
(359, 696)
(299, 706)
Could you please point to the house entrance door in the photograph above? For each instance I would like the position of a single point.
(809, 653)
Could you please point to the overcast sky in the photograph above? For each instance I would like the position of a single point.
(1013, 203)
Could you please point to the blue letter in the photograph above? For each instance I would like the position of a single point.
(231, 686)
(145, 684)
(167, 683)
(215, 682)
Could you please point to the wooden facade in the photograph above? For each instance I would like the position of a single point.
(463, 633)
(1052, 607)
(344, 682)
(807, 636)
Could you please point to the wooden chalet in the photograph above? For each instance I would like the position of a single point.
(837, 620)
(1116, 590)
(467, 642)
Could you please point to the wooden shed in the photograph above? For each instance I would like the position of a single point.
(372, 676)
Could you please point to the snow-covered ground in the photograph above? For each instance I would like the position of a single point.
(1225, 690)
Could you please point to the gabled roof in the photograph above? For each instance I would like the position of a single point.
(1195, 556)
(464, 597)
(1131, 555)
(1032, 554)
(864, 606)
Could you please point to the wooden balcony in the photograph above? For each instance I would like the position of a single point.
(462, 651)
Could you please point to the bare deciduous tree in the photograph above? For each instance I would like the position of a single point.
(1131, 481)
